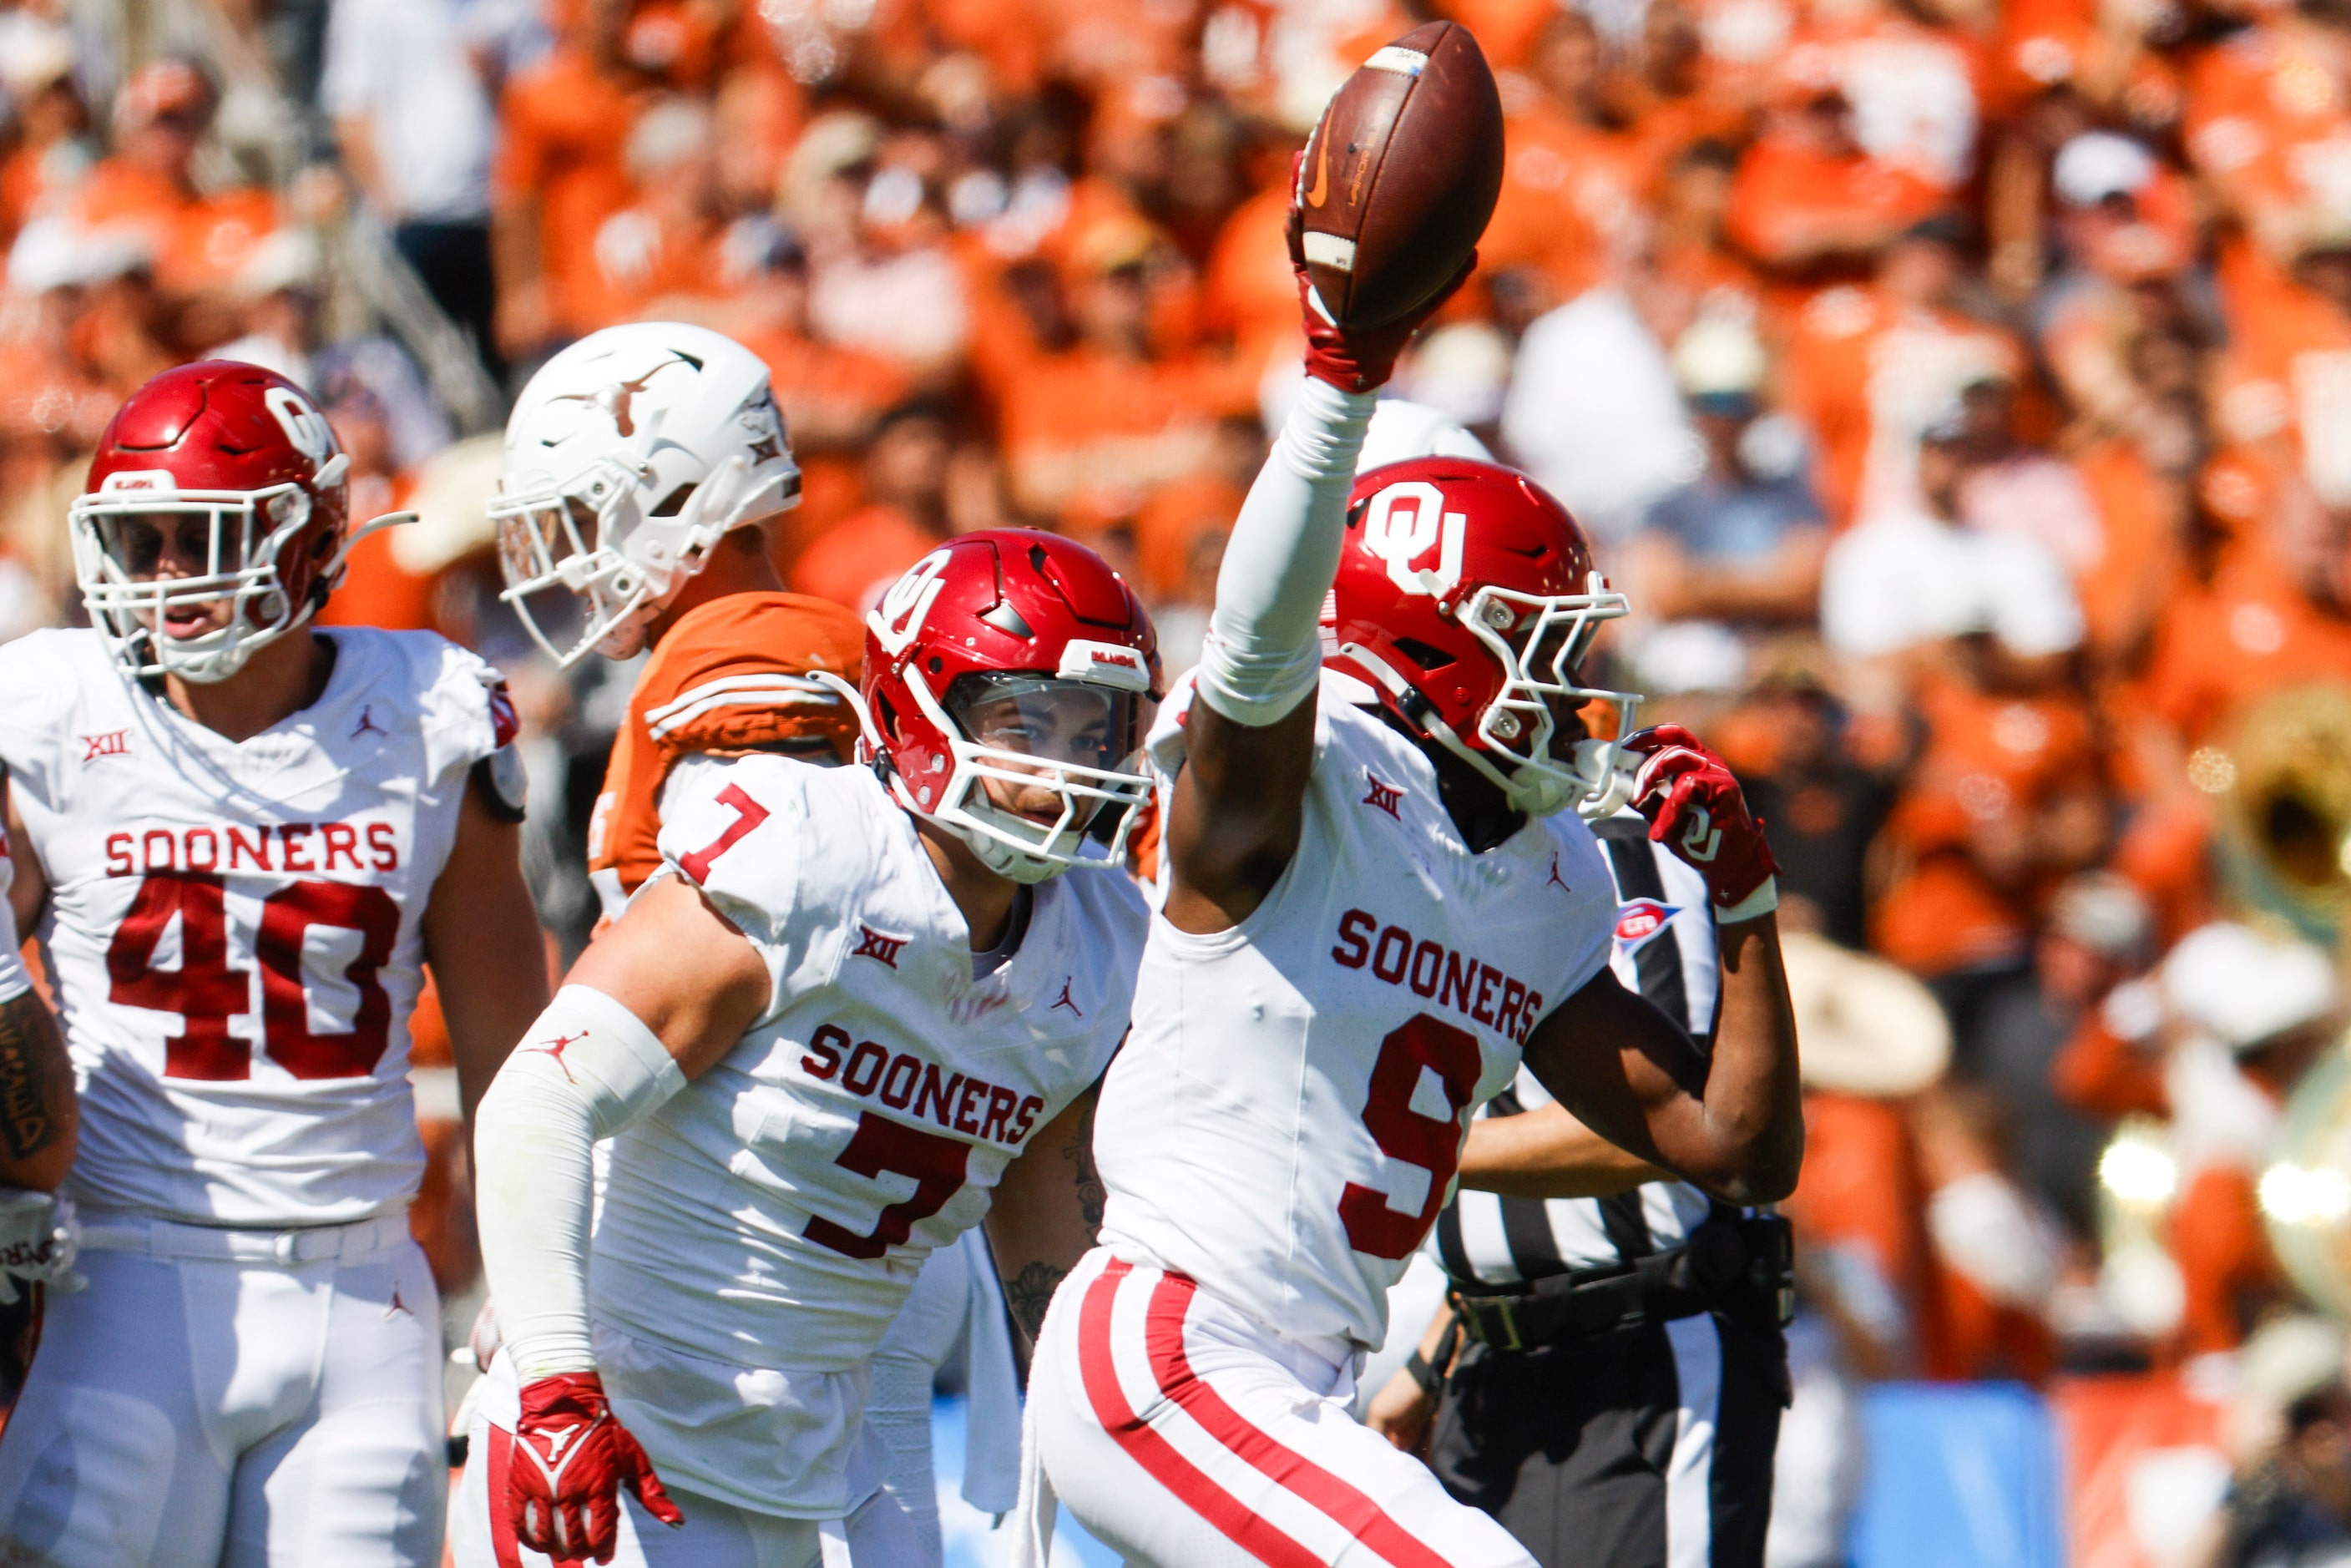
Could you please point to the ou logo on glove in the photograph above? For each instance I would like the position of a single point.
(1400, 539)
(898, 619)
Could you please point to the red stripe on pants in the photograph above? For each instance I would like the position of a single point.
(1352, 1510)
(1159, 1459)
(502, 1544)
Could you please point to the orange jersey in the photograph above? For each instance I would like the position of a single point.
(1867, 372)
(2255, 97)
(2250, 633)
(199, 242)
(563, 127)
(1990, 764)
(1571, 194)
(732, 675)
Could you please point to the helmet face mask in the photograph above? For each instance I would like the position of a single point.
(628, 455)
(1037, 769)
(1011, 678)
(1541, 641)
(233, 567)
(549, 543)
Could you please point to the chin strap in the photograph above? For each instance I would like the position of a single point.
(377, 525)
(1423, 716)
(1535, 794)
(856, 701)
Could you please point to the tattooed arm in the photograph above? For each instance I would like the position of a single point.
(38, 1114)
(1048, 1207)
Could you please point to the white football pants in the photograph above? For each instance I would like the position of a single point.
(234, 1413)
(1184, 1435)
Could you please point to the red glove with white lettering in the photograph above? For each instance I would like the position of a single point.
(1696, 808)
(571, 1458)
(1354, 358)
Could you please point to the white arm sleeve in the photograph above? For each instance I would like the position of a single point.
(587, 1069)
(1263, 652)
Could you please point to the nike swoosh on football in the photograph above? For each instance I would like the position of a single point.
(1321, 187)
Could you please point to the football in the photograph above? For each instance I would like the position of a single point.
(1400, 175)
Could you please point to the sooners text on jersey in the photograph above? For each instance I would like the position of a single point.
(1286, 1119)
(232, 928)
(866, 1117)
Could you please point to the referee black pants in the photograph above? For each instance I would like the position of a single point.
(1650, 1447)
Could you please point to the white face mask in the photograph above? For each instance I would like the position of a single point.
(1541, 641)
(146, 559)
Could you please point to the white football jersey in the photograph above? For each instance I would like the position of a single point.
(1286, 1119)
(775, 1213)
(232, 928)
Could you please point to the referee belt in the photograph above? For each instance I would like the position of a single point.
(1741, 1267)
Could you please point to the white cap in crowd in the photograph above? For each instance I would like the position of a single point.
(2244, 988)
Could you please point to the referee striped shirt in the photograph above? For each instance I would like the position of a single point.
(1665, 949)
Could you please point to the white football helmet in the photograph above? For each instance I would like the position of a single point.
(628, 455)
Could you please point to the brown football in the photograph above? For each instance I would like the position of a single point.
(1401, 174)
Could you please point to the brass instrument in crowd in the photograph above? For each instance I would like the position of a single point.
(2305, 1192)
(2285, 818)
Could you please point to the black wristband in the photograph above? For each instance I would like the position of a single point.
(1416, 1367)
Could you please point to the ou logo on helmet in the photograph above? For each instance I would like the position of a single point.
(305, 426)
(1406, 521)
(898, 619)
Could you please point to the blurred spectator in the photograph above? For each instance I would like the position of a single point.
(2277, 612)
(52, 150)
(1821, 784)
(198, 238)
(1998, 1249)
(411, 86)
(668, 242)
(1574, 180)
(1592, 412)
(905, 514)
(558, 172)
(2033, 1039)
(2290, 1420)
(1912, 574)
(1869, 368)
(882, 276)
(2247, 1015)
(1742, 542)
(1090, 432)
(1810, 202)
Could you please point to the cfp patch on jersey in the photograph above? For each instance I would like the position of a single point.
(1638, 923)
(504, 783)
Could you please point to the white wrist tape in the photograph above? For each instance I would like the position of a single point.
(1762, 902)
(1263, 654)
(586, 1069)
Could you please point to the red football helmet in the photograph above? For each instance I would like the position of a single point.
(1467, 597)
(233, 468)
(1021, 660)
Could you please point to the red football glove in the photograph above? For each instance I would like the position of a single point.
(571, 1458)
(1695, 807)
(1354, 358)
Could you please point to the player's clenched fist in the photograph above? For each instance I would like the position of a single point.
(1696, 808)
(571, 1458)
